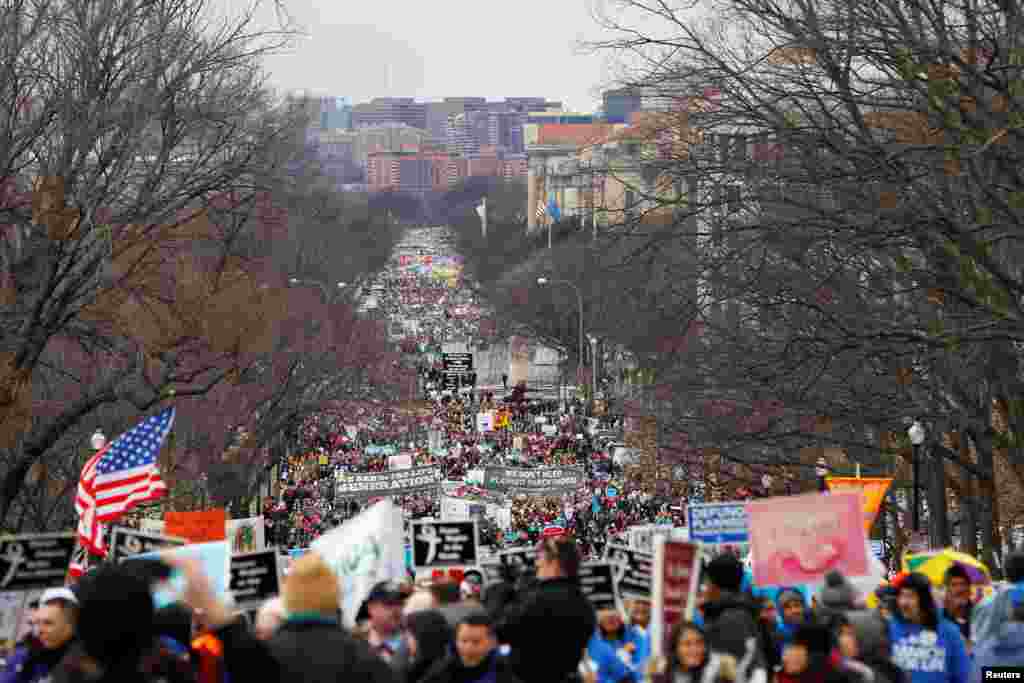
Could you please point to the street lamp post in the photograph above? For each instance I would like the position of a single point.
(593, 367)
(821, 471)
(543, 281)
(917, 435)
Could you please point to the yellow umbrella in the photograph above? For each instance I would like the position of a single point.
(935, 564)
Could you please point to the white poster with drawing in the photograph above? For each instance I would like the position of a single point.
(246, 535)
(364, 551)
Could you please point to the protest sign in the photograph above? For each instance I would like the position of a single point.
(519, 560)
(255, 577)
(597, 582)
(364, 551)
(403, 461)
(199, 526)
(676, 575)
(541, 480)
(492, 572)
(873, 490)
(392, 483)
(798, 539)
(246, 535)
(485, 422)
(126, 542)
(35, 560)
(633, 570)
(11, 605)
(718, 523)
(443, 544)
(215, 558)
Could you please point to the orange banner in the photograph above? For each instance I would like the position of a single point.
(873, 490)
(201, 526)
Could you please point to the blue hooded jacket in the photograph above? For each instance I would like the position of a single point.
(928, 656)
(611, 668)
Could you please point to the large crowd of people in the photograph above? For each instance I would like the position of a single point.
(536, 626)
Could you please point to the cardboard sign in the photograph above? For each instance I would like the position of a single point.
(125, 542)
(255, 577)
(200, 526)
(719, 523)
(633, 570)
(597, 582)
(444, 544)
(799, 539)
(31, 561)
(676, 575)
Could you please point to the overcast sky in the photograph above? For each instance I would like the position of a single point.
(484, 48)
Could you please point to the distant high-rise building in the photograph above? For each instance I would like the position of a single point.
(335, 113)
(390, 110)
(620, 105)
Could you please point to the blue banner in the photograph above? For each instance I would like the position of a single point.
(719, 523)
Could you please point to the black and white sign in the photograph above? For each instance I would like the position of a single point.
(392, 483)
(540, 480)
(125, 542)
(444, 544)
(255, 577)
(35, 561)
(519, 559)
(458, 362)
(633, 570)
(492, 572)
(597, 581)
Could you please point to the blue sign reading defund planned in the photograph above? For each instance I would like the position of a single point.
(719, 523)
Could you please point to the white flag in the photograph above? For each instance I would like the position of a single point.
(364, 551)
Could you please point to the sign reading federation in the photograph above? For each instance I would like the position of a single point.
(536, 481)
(718, 523)
(392, 483)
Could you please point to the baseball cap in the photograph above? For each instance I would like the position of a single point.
(389, 592)
(52, 594)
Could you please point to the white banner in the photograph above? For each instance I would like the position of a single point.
(403, 461)
(151, 526)
(454, 508)
(246, 535)
(364, 551)
(485, 421)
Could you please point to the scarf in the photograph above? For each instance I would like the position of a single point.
(209, 653)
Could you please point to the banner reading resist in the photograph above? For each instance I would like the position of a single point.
(799, 539)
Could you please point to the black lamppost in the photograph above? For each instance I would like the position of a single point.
(821, 471)
(917, 435)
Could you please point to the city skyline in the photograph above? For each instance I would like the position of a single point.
(403, 50)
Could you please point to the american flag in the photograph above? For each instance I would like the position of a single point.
(120, 476)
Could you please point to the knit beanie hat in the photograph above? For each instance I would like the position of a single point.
(311, 586)
(837, 593)
(787, 595)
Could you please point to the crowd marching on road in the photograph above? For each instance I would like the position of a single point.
(557, 586)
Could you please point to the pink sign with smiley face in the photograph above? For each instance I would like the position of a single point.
(799, 539)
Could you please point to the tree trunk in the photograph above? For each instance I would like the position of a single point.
(987, 507)
(938, 510)
(969, 517)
